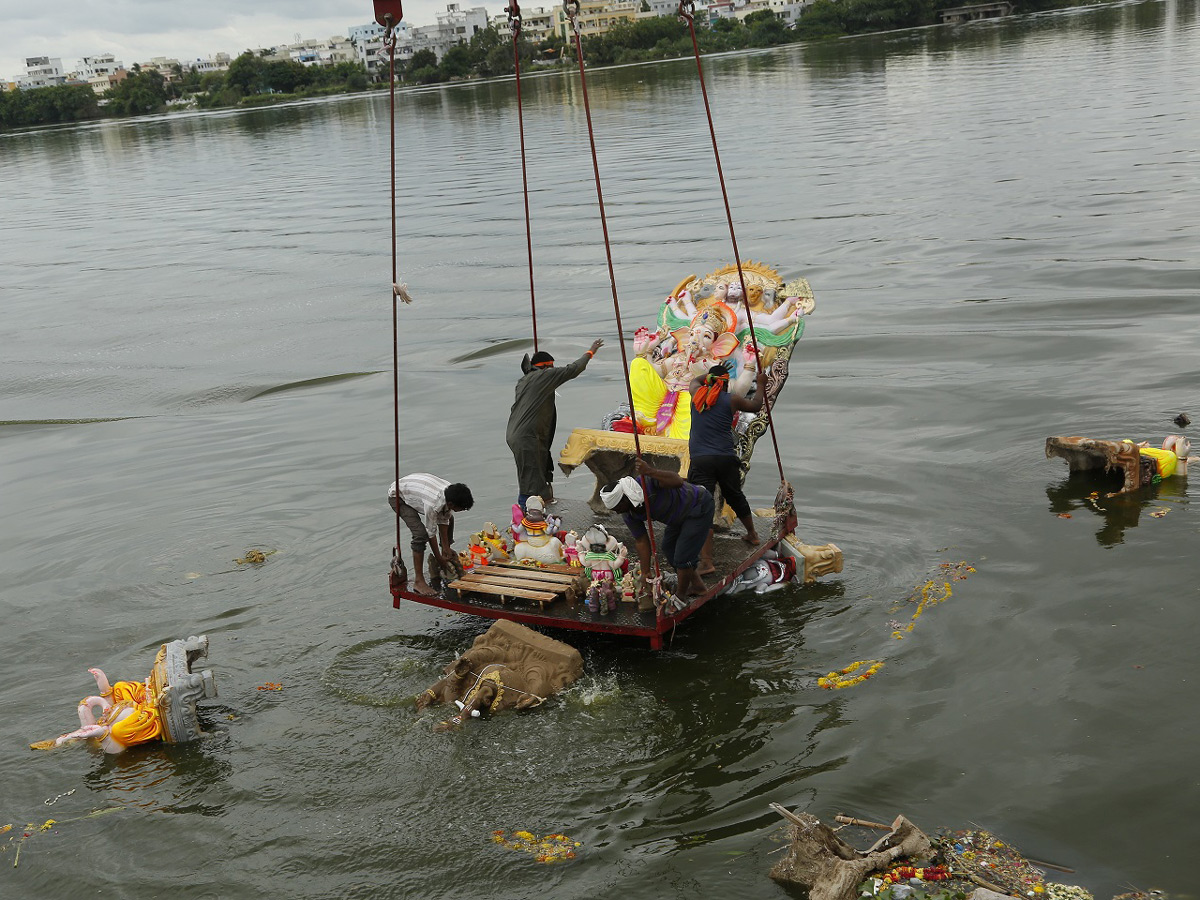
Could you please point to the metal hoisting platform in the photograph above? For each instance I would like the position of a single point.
(553, 595)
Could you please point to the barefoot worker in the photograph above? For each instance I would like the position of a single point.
(710, 447)
(686, 509)
(427, 505)
(533, 418)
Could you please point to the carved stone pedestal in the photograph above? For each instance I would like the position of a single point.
(610, 455)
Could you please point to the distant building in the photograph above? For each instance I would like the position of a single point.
(92, 66)
(101, 83)
(786, 10)
(658, 8)
(42, 71)
(536, 25)
(369, 32)
(218, 63)
(596, 17)
(975, 12)
(163, 65)
(369, 49)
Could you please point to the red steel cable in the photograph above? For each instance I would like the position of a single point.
(514, 21)
(390, 40)
(572, 9)
(686, 12)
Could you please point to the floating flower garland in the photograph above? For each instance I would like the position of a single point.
(924, 873)
(931, 593)
(549, 849)
(838, 679)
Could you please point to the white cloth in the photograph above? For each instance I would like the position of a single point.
(625, 487)
(427, 494)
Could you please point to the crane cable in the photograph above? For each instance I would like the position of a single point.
(389, 22)
(687, 9)
(514, 22)
(571, 8)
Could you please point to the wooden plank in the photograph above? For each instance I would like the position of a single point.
(525, 583)
(560, 568)
(503, 590)
(535, 574)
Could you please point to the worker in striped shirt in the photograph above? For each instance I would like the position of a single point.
(427, 505)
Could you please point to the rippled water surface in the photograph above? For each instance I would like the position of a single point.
(999, 224)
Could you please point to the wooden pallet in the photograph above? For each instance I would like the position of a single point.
(549, 577)
(517, 582)
(554, 568)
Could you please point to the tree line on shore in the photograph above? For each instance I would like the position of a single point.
(253, 80)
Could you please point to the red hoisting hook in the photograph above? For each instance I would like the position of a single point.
(386, 8)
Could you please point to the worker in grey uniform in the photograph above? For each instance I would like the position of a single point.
(532, 420)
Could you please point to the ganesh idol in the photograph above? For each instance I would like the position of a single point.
(660, 381)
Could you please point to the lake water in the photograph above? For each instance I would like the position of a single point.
(999, 224)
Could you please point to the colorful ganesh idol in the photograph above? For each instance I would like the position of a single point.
(604, 559)
(660, 385)
(161, 708)
(533, 532)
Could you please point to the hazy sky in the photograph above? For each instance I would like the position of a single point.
(135, 30)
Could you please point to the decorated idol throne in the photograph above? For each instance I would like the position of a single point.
(701, 323)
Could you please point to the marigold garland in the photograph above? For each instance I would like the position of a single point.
(931, 593)
(549, 849)
(835, 680)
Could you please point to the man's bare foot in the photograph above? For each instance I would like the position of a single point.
(694, 586)
(751, 538)
(706, 567)
(422, 587)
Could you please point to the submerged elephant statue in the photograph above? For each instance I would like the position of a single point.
(508, 667)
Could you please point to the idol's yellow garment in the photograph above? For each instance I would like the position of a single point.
(1164, 460)
(658, 410)
(129, 690)
(138, 727)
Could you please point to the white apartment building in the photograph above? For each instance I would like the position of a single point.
(454, 26)
(536, 25)
(787, 10)
(370, 31)
(328, 52)
(664, 8)
(42, 71)
(368, 45)
(91, 66)
(219, 62)
(462, 24)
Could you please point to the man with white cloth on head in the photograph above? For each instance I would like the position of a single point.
(686, 509)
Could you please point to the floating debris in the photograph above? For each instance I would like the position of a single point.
(549, 849)
(1183, 420)
(33, 829)
(270, 686)
(255, 557)
(979, 854)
